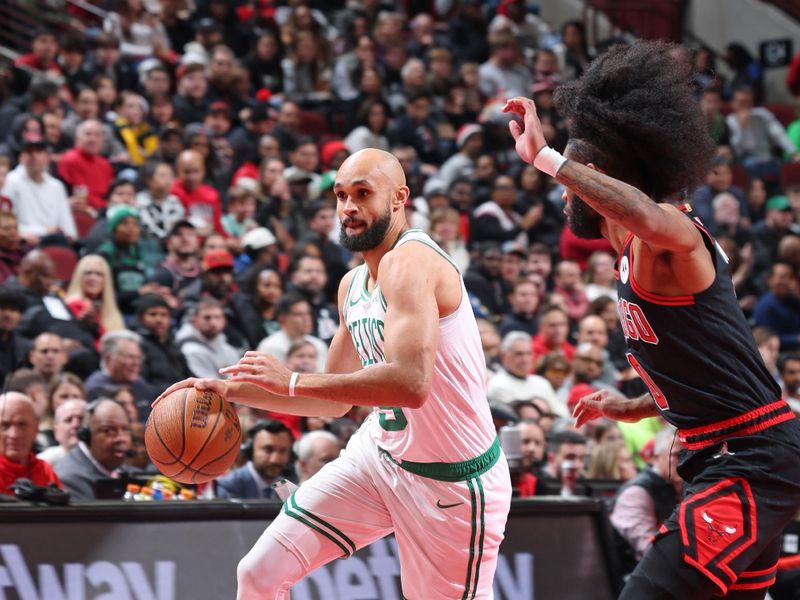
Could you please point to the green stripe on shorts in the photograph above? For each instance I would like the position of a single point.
(480, 540)
(471, 541)
(322, 522)
(289, 512)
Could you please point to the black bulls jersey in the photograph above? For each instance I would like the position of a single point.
(695, 353)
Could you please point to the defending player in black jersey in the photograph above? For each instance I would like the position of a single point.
(637, 139)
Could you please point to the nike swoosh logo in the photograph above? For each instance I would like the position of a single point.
(440, 505)
(354, 302)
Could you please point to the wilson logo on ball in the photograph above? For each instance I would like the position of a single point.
(200, 413)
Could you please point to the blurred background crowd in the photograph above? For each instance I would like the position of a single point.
(166, 173)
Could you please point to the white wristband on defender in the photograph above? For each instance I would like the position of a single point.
(293, 382)
(549, 161)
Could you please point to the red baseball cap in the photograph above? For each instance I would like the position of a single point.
(217, 259)
(578, 391)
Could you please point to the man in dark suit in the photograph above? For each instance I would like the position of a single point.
(104, 443)
(269, 455)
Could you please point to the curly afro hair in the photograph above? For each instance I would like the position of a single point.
(633, 115)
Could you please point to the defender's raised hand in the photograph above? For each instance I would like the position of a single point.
(529, 136)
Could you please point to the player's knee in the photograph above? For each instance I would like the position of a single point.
(267, 574)
(254, 583)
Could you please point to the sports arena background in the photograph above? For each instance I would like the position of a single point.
(177, 158)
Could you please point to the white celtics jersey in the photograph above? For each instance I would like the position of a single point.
(454, 424)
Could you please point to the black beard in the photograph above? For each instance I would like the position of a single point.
(370, 238)
(583, 220)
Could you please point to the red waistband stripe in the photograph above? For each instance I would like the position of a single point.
(753, 421)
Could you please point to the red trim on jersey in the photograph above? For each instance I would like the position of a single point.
(736, 426)
(739, 432)
(628, 239)
(744, 417)
(655, 298)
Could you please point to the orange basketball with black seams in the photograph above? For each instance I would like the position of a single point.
(193, 436)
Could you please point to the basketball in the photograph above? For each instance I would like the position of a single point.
(193, 436)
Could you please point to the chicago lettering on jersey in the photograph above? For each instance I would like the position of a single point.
(367, 335)
(634, 322)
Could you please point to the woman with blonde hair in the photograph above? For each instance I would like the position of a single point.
(91, 298)
(611, 461)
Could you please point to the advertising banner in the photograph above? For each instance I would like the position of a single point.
(546, 555)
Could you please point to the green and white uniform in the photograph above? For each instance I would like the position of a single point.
(435, 476)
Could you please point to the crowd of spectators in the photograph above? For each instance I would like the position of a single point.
(166, 178)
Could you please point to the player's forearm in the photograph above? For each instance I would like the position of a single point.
(641, 407)
(614, 199)
(386, 384)
(253, 396)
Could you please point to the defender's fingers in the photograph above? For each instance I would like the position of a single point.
(517, 104)
(515, 129)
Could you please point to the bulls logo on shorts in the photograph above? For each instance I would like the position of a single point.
(717, 525)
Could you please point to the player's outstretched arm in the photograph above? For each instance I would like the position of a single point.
(342, 358)
(658, 225)
(613, 406)
(254, 396)
(408, 278)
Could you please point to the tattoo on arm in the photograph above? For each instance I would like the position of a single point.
(610, 197)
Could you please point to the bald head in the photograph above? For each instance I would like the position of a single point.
(18, 427)
(17, 402)
(37, 272)
(36, 259)
(105, 408)
(189, 158)
(373, 165)
(190, 168)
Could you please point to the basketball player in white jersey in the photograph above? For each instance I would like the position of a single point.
(426, 464)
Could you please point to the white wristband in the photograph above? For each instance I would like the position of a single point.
(549, 161)
(293, 382)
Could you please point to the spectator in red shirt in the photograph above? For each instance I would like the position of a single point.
(552, 336)
(567, 279)
(533, 449)
(44, 49)
(18, 429)
(201, 201)
(571, 247)
(83, 169)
